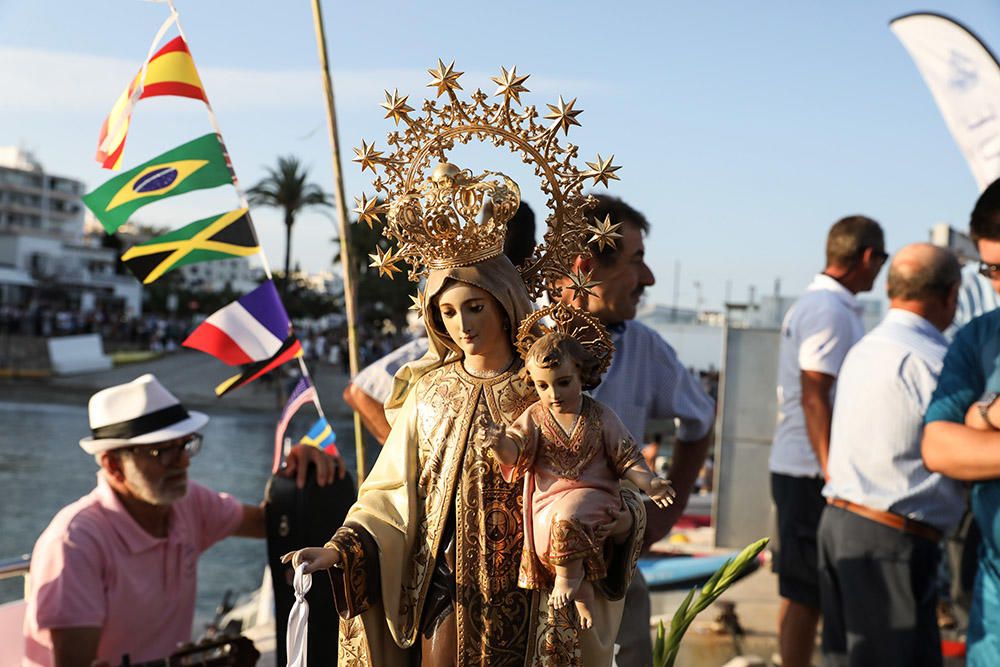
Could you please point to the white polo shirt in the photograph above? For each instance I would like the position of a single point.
(817, 332)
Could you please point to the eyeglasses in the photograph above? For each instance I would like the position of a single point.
(169, 453)
(991, 271)
(879, 255)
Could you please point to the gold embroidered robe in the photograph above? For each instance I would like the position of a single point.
(430, 467)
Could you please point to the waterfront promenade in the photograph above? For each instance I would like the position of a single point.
(192, 377)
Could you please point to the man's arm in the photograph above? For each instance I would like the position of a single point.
(371, 411)
(818, 411)
(961, 452)
(74, 647)
(252, 524)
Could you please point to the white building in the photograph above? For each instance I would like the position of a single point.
(239, 274)
(45, 259)
(324, 282)
(32, 201)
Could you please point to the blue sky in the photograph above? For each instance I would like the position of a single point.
(744, 131)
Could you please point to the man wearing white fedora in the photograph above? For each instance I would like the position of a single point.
(115, 572)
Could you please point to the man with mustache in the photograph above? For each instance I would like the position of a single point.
(115, 572)
(645, 381)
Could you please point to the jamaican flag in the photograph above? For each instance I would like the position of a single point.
(219, 237)
(196, 165)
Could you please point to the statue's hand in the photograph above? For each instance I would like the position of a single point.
(489, 432)
(315, 558)
(618, 525)
(662, 492)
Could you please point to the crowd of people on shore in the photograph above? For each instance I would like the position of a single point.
(146, 332)
(156, 332)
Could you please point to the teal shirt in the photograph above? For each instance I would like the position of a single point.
(972, 368)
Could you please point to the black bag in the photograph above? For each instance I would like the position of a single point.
(298, 518)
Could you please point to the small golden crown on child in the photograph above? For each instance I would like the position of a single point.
(571, 322)
(454, 218)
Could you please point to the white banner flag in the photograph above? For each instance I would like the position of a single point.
(964, 78)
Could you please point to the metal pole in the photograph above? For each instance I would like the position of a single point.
(345, 259)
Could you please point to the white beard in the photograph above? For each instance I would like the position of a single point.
(167, 491)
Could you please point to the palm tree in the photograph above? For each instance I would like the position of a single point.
(286, 188)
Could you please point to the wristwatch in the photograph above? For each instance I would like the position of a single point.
(983, 405)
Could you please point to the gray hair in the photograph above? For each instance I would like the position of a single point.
(926, 280)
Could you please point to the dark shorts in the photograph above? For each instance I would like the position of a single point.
(800, 503)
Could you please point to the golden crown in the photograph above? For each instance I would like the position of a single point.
(455, 218)
(571, 322)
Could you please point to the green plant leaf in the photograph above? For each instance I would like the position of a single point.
(668, 644)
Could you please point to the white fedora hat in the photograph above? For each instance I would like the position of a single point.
(140, 412)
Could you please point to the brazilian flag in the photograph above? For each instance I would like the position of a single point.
(219, 237)
(196, 165)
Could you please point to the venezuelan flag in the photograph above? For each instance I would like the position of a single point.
(170, 71)
(196, 165)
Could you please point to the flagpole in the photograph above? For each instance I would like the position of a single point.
(345, 254)
(244, 202)
(305, 372)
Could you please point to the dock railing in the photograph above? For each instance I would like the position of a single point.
(16, 567)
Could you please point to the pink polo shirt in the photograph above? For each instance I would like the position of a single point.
(95, 566)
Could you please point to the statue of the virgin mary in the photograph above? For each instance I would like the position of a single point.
(425, 567)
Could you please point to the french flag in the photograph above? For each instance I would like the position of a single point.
(253, 330)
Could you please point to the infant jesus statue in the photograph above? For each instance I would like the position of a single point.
(573, 451)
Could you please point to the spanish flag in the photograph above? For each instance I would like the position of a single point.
(219, 237)
(170, 71)
(196, 165)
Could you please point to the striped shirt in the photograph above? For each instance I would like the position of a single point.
(647, 381)
(884, 388)
(975, 297)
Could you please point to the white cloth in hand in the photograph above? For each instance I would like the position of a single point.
(298, 620)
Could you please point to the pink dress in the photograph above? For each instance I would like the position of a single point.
(571, 479)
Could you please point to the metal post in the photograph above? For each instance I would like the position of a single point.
(345, 260)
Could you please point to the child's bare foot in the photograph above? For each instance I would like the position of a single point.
(582, 600)
(564, 589)
(586, 617)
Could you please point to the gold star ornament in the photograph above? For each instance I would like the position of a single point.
(418, 302)
(604, 233)
(563, 115)
(367, 209)
(396, 106)
(602, 170)
(581, 283)
(444, 78)
(367, 156)
(385, 261)
(510, 84)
